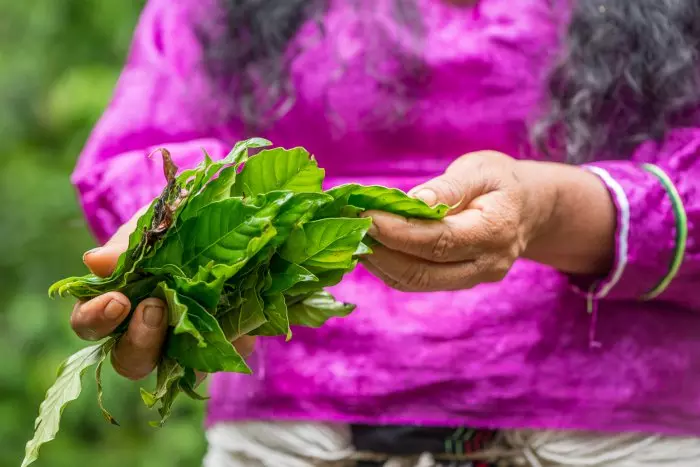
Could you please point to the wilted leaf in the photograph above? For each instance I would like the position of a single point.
(66, 389)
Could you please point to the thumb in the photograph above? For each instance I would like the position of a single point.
(455, 188)
(466, 179)
(443, 189)
(102, 260)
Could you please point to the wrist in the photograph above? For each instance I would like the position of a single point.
(576, 217)
(541, 194)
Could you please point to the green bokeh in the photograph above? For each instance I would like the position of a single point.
(59, 60)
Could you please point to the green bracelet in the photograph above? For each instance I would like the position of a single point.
(681, 230)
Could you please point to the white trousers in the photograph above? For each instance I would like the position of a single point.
(303, 444)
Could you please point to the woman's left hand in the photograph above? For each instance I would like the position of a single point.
(498, 210)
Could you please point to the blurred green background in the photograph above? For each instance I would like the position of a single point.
(59, 60)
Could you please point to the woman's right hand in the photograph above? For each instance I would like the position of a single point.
(138, 351)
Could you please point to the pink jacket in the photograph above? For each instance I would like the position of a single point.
(512, 354)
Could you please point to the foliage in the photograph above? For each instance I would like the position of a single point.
(229, 254)
(59, 61)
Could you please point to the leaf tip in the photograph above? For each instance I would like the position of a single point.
(148, 398)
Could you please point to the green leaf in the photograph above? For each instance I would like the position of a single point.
(279, 169)
(239, 153)
(207, 190)
(236, 252)
(66, 389)
(323, 279)
(90, 286)
(208, 293)
(316, 309)
(379, 198)
(239, 322)
(285, 275)
(221, 238)
(188, 384)
(218, 355)
(166, 404)
(277, 320)
(362, 249)
(169, 373)
(168, 386)
(297, 211)
(243, 320)
(178, 316)
(325, 244)
(215, 190)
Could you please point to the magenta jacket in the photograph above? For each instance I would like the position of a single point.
(515, 354)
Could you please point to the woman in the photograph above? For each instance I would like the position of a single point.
(562, 328)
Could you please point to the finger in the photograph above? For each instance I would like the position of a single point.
(379, 274)
(102, 260)
(97, 318)
(462, 237)
(137, 352)
(411, 274)
(462, 182)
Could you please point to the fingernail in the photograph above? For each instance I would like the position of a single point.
(114, 309)
(373, 230)
(427, 196)
(153, 315)
(89, 252)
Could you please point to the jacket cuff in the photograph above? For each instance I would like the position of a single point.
(645, 235)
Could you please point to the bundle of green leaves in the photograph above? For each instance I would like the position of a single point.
(240, 246)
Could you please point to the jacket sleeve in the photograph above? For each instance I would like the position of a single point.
(657, 196)
(155, 104)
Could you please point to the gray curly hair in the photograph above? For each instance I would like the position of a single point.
(628, 70)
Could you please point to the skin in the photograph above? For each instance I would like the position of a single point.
(503, 209)
(136, 354)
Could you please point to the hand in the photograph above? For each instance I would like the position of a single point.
(138, 351)
(498, 210)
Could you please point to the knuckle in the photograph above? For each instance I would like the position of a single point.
(499, 269)
(416, 277)
(494, 155)
(447, 189)
(393, 283)
(396, 284)
(444, 245)
(403, 242)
